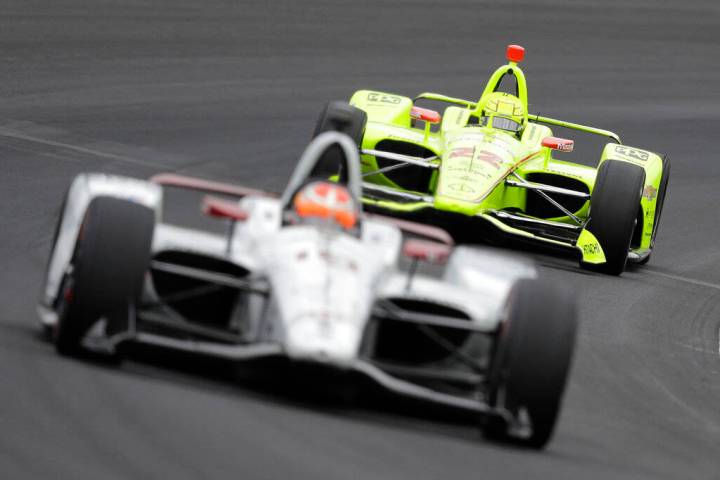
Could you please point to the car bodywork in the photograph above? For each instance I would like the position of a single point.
(419, 164)
(270, 289)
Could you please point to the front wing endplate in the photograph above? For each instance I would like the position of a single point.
(590, 248)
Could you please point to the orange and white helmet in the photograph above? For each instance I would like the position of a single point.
(328, 201)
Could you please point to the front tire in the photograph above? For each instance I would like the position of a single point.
(531, 360)
(614, 206)
(341, 117)
(111, 256)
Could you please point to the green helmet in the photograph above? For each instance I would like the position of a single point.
(499, 107)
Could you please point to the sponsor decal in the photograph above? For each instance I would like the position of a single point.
(565, 146)
(383, 98)
(632, 153)
(462, 152)
(650, 192)
(491, 158)
(531, 134)
(461, 187)
(591, 248)
(466, 178)
(649, 213)
(464, 169)
(564, 173)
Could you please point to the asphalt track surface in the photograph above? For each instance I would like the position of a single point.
(230, 90)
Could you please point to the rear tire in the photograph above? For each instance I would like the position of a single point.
(111, 256)
(613, 212)
(340, 117)
(532, 358)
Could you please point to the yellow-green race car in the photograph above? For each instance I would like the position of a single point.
(486, 168)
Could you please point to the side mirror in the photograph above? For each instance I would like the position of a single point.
(559, 144)
(220, 208)
(425, 114)
(432, 252)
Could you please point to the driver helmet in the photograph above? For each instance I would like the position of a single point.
(326, 201)
(503, 110)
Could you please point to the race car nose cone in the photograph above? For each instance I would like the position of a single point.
(326, 341)
(515, 53)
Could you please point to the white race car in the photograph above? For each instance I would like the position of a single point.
(307, 277)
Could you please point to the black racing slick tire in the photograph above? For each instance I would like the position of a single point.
(614, 207)
(531, 360)
(111, 255)
(341, 117)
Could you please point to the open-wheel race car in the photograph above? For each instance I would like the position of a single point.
(486, 168)
(307, 278)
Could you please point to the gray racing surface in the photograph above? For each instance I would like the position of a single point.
(230, 90)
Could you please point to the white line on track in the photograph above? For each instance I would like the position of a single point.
(680, 278)
(4, 132)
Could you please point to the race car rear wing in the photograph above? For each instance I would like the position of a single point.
(444, 98)
(534, 118)
(430, 232)
(208, 186)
